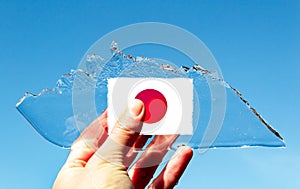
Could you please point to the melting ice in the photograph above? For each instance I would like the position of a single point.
(60, 114)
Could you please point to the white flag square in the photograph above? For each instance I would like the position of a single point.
(168, 103)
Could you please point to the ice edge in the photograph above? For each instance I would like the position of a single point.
(58, 85)
(203, 71)
(253, 110)
(166, 67)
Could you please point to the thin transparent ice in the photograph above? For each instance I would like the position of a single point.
(53, 115)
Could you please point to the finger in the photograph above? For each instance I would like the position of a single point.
(172, 172)
(122, 137)
(88, 142)
(136, 148)
(143, 170)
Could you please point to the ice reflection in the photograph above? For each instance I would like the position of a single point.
(51, 112)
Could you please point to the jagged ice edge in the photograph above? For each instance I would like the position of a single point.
(166, 67)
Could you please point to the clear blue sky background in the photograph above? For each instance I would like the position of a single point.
(256, 44)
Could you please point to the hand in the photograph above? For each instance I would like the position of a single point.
(97, 160)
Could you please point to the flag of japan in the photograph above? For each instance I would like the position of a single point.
(168, 103)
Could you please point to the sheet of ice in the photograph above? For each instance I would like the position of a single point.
(59, 116)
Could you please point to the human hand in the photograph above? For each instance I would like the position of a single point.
(97, 160)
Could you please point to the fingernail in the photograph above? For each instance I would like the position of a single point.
(136, 107)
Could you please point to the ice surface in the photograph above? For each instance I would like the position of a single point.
(60, 114)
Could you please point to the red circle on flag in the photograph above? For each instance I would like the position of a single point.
(155, 105)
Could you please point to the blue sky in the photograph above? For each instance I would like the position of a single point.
(256, 44)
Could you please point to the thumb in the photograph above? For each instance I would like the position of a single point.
(123, 135)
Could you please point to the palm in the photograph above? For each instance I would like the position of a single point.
(97, 160)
